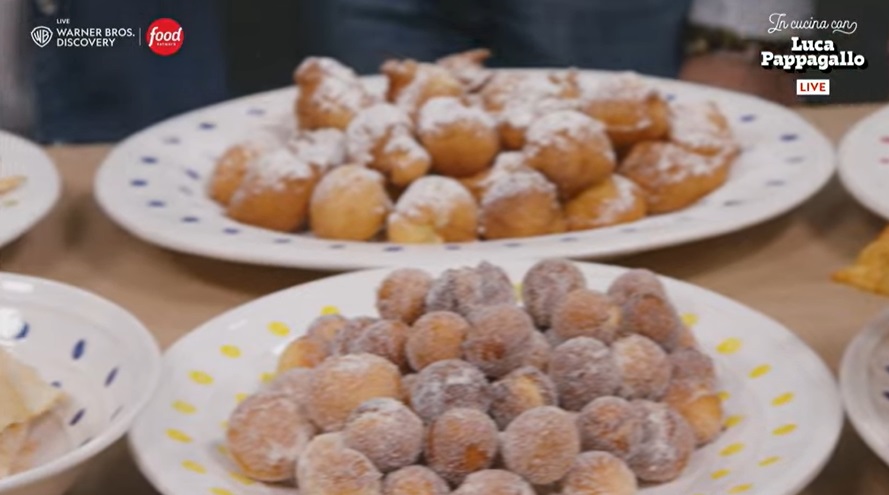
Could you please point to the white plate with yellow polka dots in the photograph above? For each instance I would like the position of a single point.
(864, 379)
(29, 186)
(783, 413)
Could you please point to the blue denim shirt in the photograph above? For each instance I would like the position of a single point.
(640, 35)
(104, 94)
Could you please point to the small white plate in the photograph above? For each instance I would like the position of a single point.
(25, 206)
(98, 354)
(864, 162)
(864, 380)
(783, 411)
(153, 184)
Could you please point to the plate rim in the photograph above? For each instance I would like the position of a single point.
(122, 424)
(45, 202)
(158, 232)
(853, 376)
(797, 478)
(846, 169)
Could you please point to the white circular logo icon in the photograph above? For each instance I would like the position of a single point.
(41, 35)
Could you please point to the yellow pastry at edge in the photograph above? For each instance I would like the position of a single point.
(870, 271)
(24, 397)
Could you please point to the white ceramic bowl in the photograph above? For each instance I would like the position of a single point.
(864, 379)
(103, 358)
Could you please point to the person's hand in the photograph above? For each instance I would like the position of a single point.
(736, 72)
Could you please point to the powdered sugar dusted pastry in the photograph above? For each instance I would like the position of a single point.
(434, 209)
(671, 176)
(520, 204)
(507, 162)
(232, 165)
(519, 99)
(330, 94)
(571, 150)
(323, 149)
(613, 201)
(468, 67)
(461, 140)
(381, 137)
(275, 192)
(631, 110)
(351, 203)
(412, 84)
(701, 127)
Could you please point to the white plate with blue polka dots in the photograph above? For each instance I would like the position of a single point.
(864, 162)
(30, 201)
(864, 380)
(782, 410)
(102, 358)
(153, 184)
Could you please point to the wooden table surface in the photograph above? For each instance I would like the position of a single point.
(781, 268)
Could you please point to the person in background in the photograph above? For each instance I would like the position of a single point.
(234, 47)
(709, 41)
(74, 94)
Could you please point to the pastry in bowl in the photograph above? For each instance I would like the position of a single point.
(75, 370)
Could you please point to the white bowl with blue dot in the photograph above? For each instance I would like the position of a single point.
(102, 358)
(154, 185)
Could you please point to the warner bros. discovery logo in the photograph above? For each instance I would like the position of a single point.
(41, 35)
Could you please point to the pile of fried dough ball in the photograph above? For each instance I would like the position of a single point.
(455, 152)
(455, 386)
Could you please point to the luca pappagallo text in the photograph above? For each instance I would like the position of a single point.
(813, 54)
